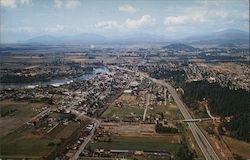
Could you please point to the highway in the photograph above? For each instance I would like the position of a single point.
(200, 138)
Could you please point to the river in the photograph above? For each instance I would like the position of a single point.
(54, 82)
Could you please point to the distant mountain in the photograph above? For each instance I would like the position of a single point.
(141, 37)
(99, 39)
(232, 36)
(228, 45)
(179, 46)
(85, 38)
(43, 38)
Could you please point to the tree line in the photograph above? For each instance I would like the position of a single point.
(223, 102)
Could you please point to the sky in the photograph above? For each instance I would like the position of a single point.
(24, 19)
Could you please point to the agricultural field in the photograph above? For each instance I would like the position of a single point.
(29, 141)
(20, 109)
(145, 143)
(34, 130)
(14, 114)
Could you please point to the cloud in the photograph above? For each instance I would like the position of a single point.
(27, 2)
(107, 25)
(19, 29)
(55, 29)
(144, 20)
(58, 3)
(14, 3)
(128, 8)
(29, 29)
(179, 20)
(175, 20)
(70, 4)
(8, 3)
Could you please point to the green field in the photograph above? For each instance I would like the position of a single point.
(170, 111)
(138, 143)
(122, 112)
(26, 143)
(19, 109)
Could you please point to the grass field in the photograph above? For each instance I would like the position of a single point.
(170, 111)
(19, 109)
(122, 112)
(129, 108)
(15, 114)
(31, 142)
(138, 143)
(26, 143)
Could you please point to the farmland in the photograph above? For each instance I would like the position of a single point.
(14, 114)
(33, 129)
(146, 143)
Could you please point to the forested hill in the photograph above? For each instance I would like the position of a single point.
(223, 102)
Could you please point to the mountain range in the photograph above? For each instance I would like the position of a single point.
(229, 36)
(179, 46)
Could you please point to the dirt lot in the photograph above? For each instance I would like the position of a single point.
(238, 147)
(8, 124)
(130, 129)
(136, 129)
(63, 131)
(221, 147)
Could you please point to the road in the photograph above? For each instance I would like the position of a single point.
(200, 138)
(147, 104)
(89, 137)
(39, 115)
(165, 96)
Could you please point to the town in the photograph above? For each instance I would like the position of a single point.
(93, 104)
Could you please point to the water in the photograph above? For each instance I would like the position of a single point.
(54, 82)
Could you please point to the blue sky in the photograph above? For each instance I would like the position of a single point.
(24, 19)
